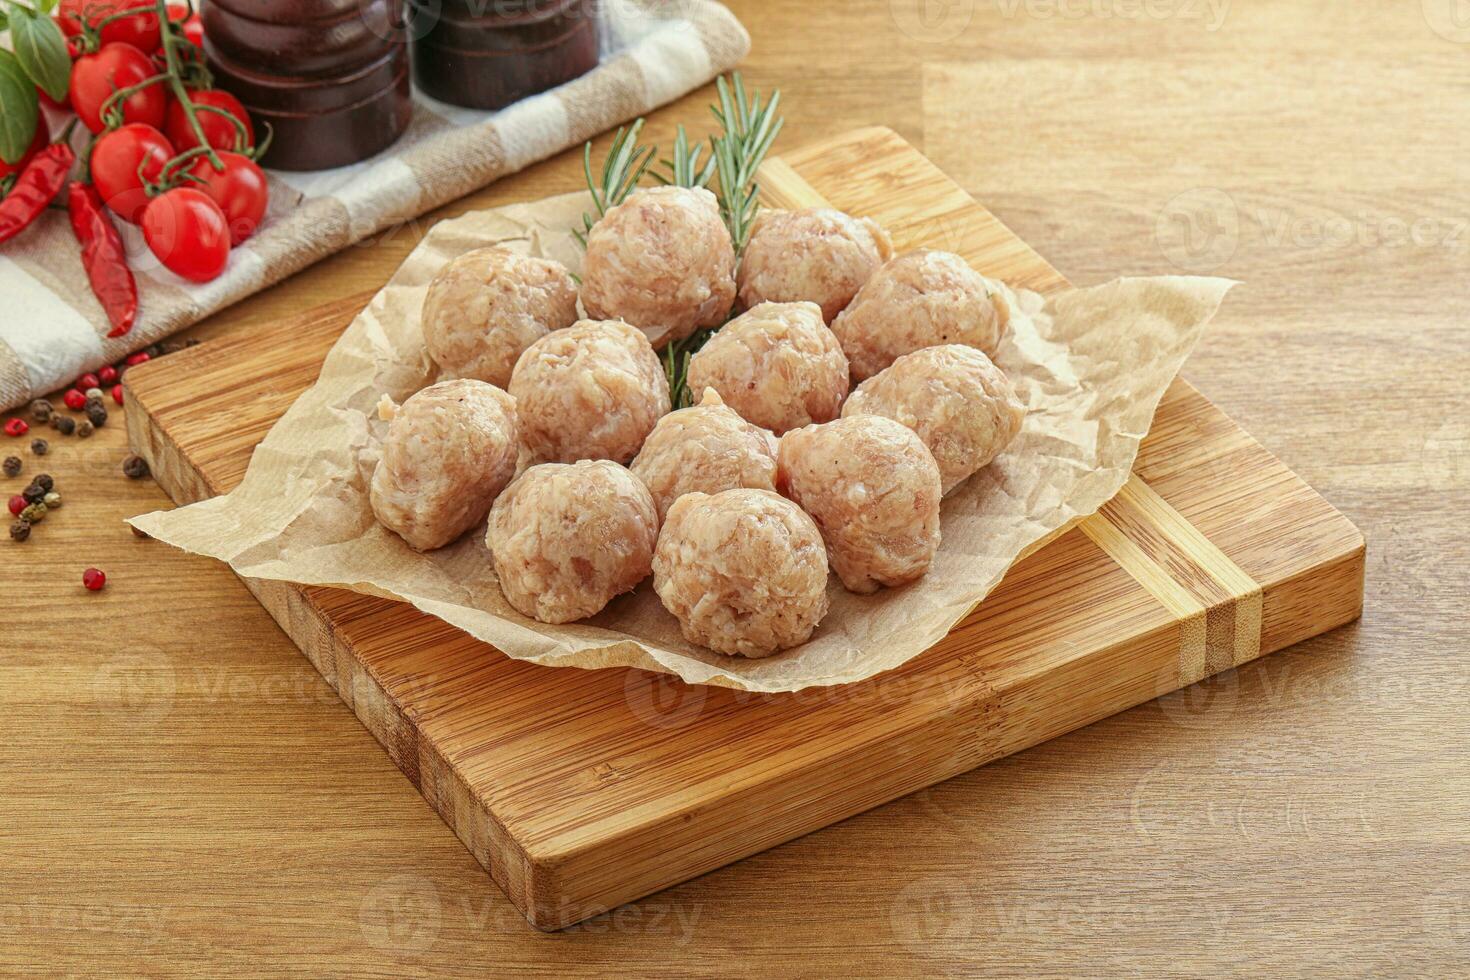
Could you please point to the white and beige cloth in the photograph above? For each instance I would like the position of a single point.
(52, 329)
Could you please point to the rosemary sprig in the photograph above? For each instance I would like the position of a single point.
(749, 129)
(683, 169)
(626, 162)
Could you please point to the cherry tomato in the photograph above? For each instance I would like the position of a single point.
(139, 30)
(115, 162)
(178, 13)
(95, 77)
(218, 129)
(239, 190)
(188, 234)
(38, 143)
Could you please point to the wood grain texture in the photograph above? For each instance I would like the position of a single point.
(576, 806)
(182, 795)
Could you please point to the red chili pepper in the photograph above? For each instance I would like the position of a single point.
(39, 183)
(104, 257)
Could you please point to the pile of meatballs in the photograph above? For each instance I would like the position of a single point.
(557, 424)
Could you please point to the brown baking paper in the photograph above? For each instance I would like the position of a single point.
(1091, 365)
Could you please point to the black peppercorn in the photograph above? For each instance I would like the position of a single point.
(135, 467)
(96, 414)
(44, 481)
(84, 429)
(64, 424)
(171, 347)
(20, 530)
(34, 493)
(12, 466)
(40, 447)
(41, 410)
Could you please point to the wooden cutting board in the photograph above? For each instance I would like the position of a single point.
(580, 790)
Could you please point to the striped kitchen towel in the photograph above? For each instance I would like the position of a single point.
(52, 329)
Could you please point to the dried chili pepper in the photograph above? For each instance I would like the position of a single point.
(40, 182)
(104, 257)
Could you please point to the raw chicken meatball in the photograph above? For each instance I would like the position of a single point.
(817, 254)
(591, 391)
(958, 402)
(920, 299)
(706, 447)
(567, 538)
(873, 489)
(777, 364)
(663, 261)
(744, 571)
(488, 305)
(450, 449)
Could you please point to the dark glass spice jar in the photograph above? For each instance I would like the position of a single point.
(331, 77)
(486, 54)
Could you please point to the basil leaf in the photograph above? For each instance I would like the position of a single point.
(4, 20)
(19, 108)
(46, 6)
(41, 50)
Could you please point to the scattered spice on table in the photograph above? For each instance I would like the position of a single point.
(117, 394)
(96, 414)
(94, 579)
(17, 504)
(35, 513)
(107, 374)
(135, 467)
(33, 494)
(17, 427)
(88, 380)
(20, 530)
(40, 447)
(44, 481)
(93, 392)
(41, 410)
(75, 400)
(64, 424)
(84, 429)
(52, 500)
(12, 465)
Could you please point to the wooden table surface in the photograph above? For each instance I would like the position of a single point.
(180, 793)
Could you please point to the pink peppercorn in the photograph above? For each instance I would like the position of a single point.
(94, 579)
(75, 400)
(17, 427)
(17, 504)
(117, 394)
(137, 358)
(88, 380)
(107, 375)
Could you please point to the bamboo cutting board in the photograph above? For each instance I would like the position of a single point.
(580, 790)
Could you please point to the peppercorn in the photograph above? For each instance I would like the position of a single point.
(172, 346)
(44, 481)
(97, 415)
(35, 513)
(93, 400)
(94, 579)
(12, 466)
(17, 504)
(74, 400)
(17, 427)
(135, 467)
(93, 392)
(34, 493)
(64, 424)
(40, 447)
(41, 410)
(84, 429)
(117, 394)
(20, 530)
(135, 359)
(52, 500)
(107, 375)
(88, 380)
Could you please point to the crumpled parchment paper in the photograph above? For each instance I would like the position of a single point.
(1091, 365)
